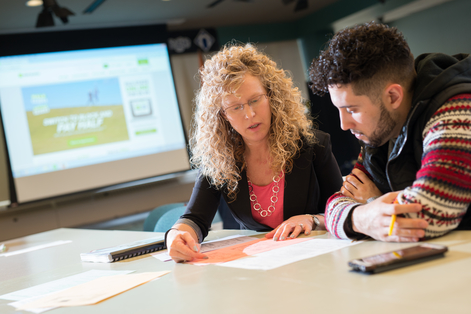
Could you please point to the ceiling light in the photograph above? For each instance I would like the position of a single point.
(34, 3)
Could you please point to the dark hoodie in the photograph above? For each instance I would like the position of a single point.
(439, 77)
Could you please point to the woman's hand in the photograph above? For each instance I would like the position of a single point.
(182, 244)
(358, 186)
(292, 227)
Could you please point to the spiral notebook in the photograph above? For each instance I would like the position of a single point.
(124, 251)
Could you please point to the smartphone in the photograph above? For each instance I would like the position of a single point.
(399, 258)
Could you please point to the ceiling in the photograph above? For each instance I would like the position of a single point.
(15, 16)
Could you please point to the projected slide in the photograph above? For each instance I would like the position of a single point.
(74, 115)
(85, 119)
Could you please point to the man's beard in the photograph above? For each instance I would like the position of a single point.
(384, 128)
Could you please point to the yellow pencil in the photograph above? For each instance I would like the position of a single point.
(393, 220)
(397, 254)
(391, 226)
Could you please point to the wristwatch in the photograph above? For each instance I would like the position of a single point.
(315, 222)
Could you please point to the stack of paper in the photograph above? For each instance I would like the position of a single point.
(86, 288)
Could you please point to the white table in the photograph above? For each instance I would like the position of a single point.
(321, 284)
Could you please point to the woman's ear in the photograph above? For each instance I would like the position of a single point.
(394, 94)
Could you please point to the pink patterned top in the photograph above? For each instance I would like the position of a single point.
(264, 194)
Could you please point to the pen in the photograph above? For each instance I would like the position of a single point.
(393, 220)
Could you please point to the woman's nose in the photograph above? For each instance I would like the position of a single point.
(249, 111)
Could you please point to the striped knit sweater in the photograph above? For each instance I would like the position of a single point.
(443, 183)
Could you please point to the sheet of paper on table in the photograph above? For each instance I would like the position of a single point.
(289, 254)
(61, 284)
(33, 248)
(92, 292)
(241, 250)
(210, 245)
(33, 293)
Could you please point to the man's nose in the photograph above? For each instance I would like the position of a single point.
(345, 121)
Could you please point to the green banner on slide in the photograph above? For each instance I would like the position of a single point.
(69, 128)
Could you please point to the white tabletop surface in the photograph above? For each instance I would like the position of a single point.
(322, 284)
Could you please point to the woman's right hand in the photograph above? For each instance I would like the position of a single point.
(182, 245)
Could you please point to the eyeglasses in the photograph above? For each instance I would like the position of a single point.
(238, 110)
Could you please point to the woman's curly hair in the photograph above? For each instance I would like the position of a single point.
(368, 56)
(217, 149)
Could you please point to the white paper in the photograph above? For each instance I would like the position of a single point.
(18, 304)
(60, 284)
(211, 245)
(289, 254)
(34, 248)
(92, 292)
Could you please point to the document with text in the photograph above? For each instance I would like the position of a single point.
(289, 254)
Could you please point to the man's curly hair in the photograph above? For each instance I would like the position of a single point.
(368, 56)
(217, 149)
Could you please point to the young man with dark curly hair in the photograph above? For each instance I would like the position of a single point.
(413, 120)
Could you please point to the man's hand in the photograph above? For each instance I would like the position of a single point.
(358, 186)
(373, 219)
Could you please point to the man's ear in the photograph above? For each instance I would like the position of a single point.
(394, 94)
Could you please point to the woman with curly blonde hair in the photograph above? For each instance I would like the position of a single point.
(254, 145)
